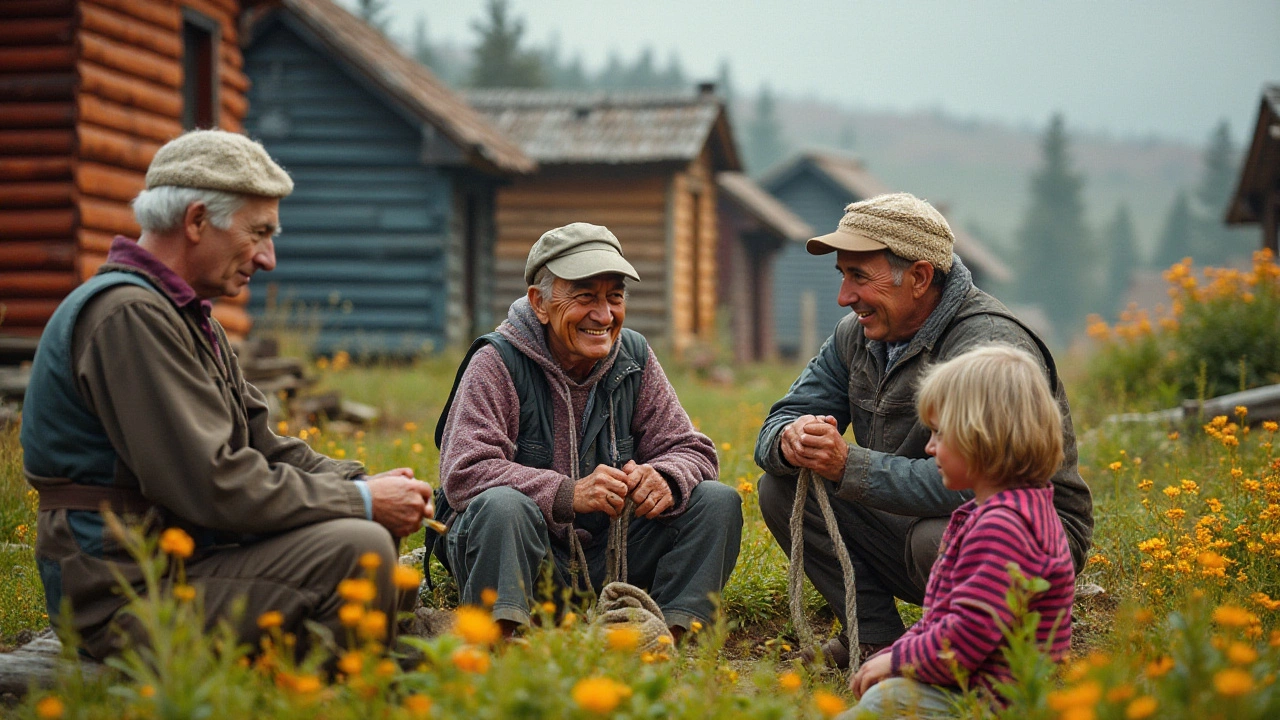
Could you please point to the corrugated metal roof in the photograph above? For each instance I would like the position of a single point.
(759, 204)
(409, 82)
(852, 175)
(560, 127)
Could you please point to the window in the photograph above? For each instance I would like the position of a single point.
(200, 38)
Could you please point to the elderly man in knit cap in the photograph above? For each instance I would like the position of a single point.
(137, 405)
(563, 441)
(914, 303)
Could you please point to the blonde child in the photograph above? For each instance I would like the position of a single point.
(997, 432)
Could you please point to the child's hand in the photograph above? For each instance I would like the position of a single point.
(872, 672)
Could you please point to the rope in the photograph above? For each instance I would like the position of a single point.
(795, 572)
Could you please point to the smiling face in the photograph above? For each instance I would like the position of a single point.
(583, 319)
(887, 312)
(221, 262)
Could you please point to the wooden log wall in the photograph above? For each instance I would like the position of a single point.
(693, 254)
(89, 90)
(632, 204)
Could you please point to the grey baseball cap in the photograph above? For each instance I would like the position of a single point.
(578, 250)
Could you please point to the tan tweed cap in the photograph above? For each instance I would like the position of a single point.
(908, 226)
(218, 160)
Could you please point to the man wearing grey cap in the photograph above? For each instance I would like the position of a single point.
(136, 403)
(914, 303)
(562, 420)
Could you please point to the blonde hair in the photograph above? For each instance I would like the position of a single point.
(994, 407)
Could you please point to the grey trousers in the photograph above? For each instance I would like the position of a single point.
(891, 554)
(899, 697)
(501, 541)
(296, 573)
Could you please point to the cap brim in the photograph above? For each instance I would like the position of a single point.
(842, 240)
(587, 263)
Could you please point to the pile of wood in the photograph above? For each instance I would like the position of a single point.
(1262, 403)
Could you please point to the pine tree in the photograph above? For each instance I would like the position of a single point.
(1054, 243)
(499, 61)
(764, 145)
(421, 46)
(371, 11)
(1213, 242)
(1122, 257)
(724, 84)
(1175, 240)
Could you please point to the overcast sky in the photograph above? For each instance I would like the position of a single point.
(1170, 68)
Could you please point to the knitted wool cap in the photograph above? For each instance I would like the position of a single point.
(908, 226)
(218, 160)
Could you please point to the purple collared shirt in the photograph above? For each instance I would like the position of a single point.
(127, 252)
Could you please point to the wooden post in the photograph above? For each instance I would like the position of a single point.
(808, 325)
(1271, 223)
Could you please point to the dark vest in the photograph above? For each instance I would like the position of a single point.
(606, 437)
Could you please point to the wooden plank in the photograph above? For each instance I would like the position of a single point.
(128, 90)
(89, 263)
(38, 8)
(36, 194)
(165, 16)
(42, 142)
(130, 31)
(37, 255)
(44, 58)
(25, 88)
(108, 216)
(131, 60)
(15, 169)
(231, 124)
(233, 78)
(224, 16)
(113, 148)
(104, 181)
(556, 198)
(31, 224)
(24, 312)
(37, 31)
(17, 115)
(231, 55)
(655, 216)
(37, 284)
(129, 120)
(94, 241)
(234, 104)
(234, 319)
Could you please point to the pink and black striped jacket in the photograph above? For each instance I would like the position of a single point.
(966, 591)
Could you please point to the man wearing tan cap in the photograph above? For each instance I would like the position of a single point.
(136, 403)
(562, 427)
(914, 304)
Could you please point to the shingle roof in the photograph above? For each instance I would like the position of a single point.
(409, 82)
(765, 208)
(850, 174)
(562, 127)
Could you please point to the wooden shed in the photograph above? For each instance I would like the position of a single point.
(754, 229)
(89, 90)
(388, 236)
(1257, 196)
(642, 164)
(817, 186)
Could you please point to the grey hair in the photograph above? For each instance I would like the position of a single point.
(898, 267)
(161, 209)
(545, 280)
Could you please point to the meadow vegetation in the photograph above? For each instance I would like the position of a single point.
(1186, 549)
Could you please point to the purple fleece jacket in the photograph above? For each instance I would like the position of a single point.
(478, 447)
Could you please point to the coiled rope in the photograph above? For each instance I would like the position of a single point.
(795, 571)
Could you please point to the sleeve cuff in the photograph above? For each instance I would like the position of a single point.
(363, 487)
(562, 505)
(857, 468)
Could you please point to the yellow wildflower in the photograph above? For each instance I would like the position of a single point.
(549, 607)
(373, 626)
(307, 684)
(569, 620)
(470, 659)
(350, 614)
(418, 705)
(1160, 666)
(49, 708)
(488, 597)
(370, 561)
(829, 704)
(1115, 466)
(1240, 654)
(1085, 694)
(623, 638)
(386, 668)
(351, 663)
(357, 590)
(1120, 693)
(695, 626)
(1172, 491)
(270, 619)
(406, 578)
(1271, 426)
(789, 681)
(1143, 707)
(410, 426)
(1232, 682)
(599, 695)
(176, 542)
(147, 691)
(184, 593)
(475, 625)
(1233, 616)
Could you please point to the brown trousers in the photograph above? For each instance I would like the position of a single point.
(296, 573)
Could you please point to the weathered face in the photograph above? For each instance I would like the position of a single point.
(223, 261)
(583, 319)
(887, 312)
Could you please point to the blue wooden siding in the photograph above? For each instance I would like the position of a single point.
(820, 204)
(361, 261)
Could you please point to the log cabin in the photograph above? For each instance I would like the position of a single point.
(817, 186)
(388, 237)
(89, 90)
(1257, 195)
(754, 230)
(642, 164)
